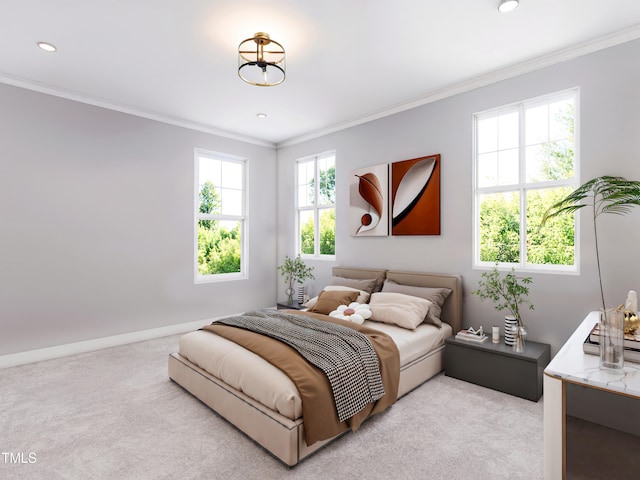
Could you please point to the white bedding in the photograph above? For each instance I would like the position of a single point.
(267, 384)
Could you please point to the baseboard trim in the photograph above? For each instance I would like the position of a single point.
(49, 353)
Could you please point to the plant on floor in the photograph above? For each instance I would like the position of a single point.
(294, 271)
(508, 292)
(605, 194)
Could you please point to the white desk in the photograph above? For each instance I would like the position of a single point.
(572, 365)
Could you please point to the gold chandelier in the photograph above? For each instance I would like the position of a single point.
(261, 61)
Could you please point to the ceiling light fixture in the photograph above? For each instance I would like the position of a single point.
(507, 5)
(261, 61)
(261, 115)
(47, 47)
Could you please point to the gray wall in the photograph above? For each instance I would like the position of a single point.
(609, 145)
(96, 209)
(96, 224)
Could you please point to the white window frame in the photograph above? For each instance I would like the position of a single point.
(242, 218)
(523, 186)
(315, 208)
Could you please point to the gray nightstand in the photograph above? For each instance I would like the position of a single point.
(497, 366)
(295, 306)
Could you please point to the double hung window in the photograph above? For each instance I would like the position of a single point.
(220, 222)
(316, 209)
(525, 159)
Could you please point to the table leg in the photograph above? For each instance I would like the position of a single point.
(554, 429)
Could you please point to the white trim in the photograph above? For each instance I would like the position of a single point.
(243, 274)
(522, 186)
(138, 112)
(315, 207)
(559, 56)
(49, 353)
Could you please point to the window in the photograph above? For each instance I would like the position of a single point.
(220, 223)
(316, 223)
(524, 161)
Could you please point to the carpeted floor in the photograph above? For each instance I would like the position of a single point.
(114, 414)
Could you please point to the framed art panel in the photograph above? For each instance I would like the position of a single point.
(415, 196)
(369, 201)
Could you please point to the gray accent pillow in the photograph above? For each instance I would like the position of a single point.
(436, 296)
(367, 284)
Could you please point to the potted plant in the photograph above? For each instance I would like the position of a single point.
(605, 195)
(294, 271)
(508, 292)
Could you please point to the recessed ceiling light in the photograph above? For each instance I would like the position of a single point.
(507, 5)
(47, 47)
(261, 115)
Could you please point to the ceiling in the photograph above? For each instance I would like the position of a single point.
(347, 61)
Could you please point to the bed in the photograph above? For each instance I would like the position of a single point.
(263, 403)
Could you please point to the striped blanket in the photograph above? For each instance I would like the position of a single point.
(346, 356)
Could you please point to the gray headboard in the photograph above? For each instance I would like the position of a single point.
(452, 308)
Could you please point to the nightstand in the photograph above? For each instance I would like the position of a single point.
(294, 306)
(497, 366)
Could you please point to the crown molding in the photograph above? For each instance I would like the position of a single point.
(538, 63)
(150, 115)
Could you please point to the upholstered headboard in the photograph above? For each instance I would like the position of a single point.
(361, 273)
(452, 307)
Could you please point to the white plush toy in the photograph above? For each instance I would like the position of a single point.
(354, 312)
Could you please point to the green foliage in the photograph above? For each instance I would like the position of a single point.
(307, 238)
(327, 192)
(209, 200)
(327, 186)
(604, 194)
(218, 248)
(294, 270)
(508, 291)
(327, 234)
(500, 229)
(553, 244)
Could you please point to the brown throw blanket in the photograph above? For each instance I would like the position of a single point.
(319, 413)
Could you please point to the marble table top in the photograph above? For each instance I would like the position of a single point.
(571, 364)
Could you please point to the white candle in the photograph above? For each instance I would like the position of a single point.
(495, 334)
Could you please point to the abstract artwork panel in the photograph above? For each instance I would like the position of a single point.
(415, 196)
(369, 201)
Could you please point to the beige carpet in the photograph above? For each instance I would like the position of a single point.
(114, 414)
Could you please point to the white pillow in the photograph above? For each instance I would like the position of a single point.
(399, 309)
(362, 297)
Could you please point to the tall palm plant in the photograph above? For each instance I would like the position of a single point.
(604, 194)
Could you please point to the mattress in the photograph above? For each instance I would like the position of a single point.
(258, 379)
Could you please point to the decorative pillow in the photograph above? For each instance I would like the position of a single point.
(367, 284)
(354, 312)
(403, 310)
(436, 296)
(328, 301)
(363, 297)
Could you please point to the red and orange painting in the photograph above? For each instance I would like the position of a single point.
(415, 196)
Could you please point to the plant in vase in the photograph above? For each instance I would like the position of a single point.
(294, 271)
(508, 292)
(604, 194)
